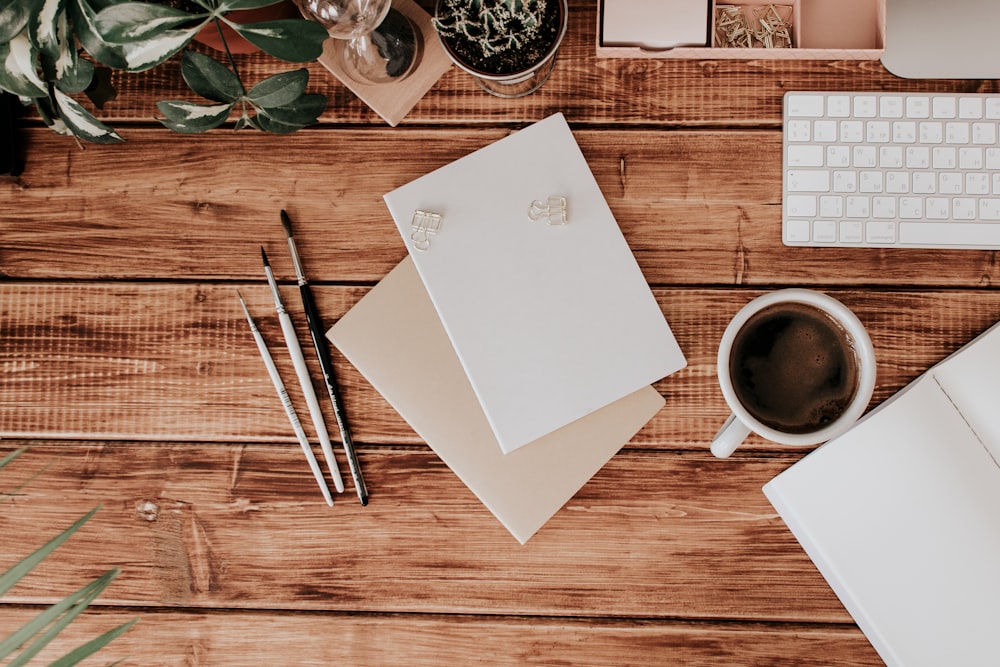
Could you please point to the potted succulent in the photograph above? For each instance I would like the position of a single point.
(40, 62)
(509, 46)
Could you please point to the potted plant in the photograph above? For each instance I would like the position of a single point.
(41, 64)
(509, 46)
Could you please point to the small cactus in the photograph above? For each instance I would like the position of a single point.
(496, 26)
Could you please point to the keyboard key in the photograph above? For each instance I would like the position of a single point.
(904, 132)
(993, 107)
(918, 107)
(931, 132)
(852, 131)
(839, 106)
(825, 131)
(865, 156)
(897, 182)
(918, 157)
(970, 158)
(800, 205)
(808, 180)
(984, 133)
(890, 106)
(943, 157)
(924, 182)
(804, 106)
(845, 181)
(963, 208)
(825, 231)
(911, 208)
(937, 208)
(956, 133)
(797, 231)
(839, 156)
(931, 234)
(951, 183)
(878, 231)
(851, 231)
(943, 107)
(989, 209)
(831, 206)
(798, 130)
(858, 207)
(801, 155)
(970, 107)
(890, 157)
(870, 181)
(877, 131)
(977, 184)
(883, 207)
(865, 106)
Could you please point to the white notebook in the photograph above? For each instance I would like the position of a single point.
(902, 514)
(395, 339)
(550, 321)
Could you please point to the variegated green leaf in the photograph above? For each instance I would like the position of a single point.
(210, 78)
(18, 73)
(189, 118)
(82, 122)
(130, 22)
(83, 13)
(294, 40)
(301, 112)
(78, 78)
(145, 55)
(14, 17)
(279, 89)
(45, 27)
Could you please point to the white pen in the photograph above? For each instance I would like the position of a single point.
(302, 371)
(286, 402)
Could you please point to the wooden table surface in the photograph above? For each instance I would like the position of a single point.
(127, 366)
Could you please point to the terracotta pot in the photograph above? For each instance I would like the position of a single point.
(209, 35)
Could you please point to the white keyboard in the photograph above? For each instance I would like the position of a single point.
(887, 170)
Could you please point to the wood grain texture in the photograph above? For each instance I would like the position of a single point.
(177, 362)
(696, 207)
(238, 639)
(662, 535)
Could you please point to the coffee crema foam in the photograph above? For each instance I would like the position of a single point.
(794, 368)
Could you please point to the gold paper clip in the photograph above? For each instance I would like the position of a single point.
(552, 210)
(424, 225)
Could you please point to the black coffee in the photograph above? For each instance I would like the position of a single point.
(794, 368)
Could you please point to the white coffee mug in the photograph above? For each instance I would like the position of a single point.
(741, 422)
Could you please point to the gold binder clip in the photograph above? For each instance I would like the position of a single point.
(424, 225)
(552, 210)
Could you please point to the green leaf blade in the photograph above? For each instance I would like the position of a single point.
(209, 78)
(294, 40)
(14, 15)
(82, 123)
(17, 572)
(303, 111)
(140, 21)
(280, 89)
(188, 118)
(84, 19)
(18, 68)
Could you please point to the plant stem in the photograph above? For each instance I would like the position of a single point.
(229, 55)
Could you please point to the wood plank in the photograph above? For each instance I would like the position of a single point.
(237, 639)
(696, 207)
(177, 362)
(590, 90)
(659, 535)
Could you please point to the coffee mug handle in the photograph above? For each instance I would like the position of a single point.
(729, 437)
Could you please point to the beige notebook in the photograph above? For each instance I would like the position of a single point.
(394, 338)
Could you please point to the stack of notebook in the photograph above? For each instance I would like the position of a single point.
(519, 339)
